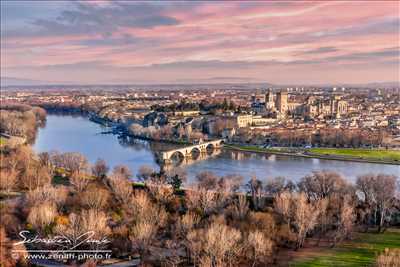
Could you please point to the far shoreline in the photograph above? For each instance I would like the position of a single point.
(240, 148)
(326, 157)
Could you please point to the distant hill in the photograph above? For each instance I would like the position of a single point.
(222, 81)
(384, 84)
(352, 85)
(11, 81)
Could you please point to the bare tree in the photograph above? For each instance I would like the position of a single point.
(305, 217)
(45, 160)
(200, 198)
(100, 169)
(145, 173)
(277, 185)
(79, 181)
(142, 235)
(43, 175)
(88, 222)
(95, 221)
(219, 244)
(378, 192)
(230, 183)
(42, 215)
(260, 245)
(47, 193)
(28, 178)
(283, 206)
(143, 207)
(240, 208)
(121, 187)
(160, 193)
(122, 171)
(74, 162)
(187, 222)
(345, 222)
(207, 180)
(94, 198)
(73, 229)
(149, 218)
(8, 180)
(255, 188)
(322, 184)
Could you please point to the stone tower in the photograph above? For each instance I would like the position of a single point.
(269, 100)
(282, 101)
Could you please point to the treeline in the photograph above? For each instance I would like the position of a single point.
(69, 108)
(21, 120)
(215, 221)
(204, 105)
(166, 132)
(323, 137)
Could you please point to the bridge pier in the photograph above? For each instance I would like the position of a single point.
(167, 161)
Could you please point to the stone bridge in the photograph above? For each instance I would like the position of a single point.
(187, 152)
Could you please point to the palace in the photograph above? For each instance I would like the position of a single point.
(281, 104)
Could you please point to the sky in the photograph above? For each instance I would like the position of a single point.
(312, 42)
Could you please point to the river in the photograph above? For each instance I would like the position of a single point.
(78, 134)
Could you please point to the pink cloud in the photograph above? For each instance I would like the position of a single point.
(224, 31)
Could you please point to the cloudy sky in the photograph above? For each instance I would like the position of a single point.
(167, 42)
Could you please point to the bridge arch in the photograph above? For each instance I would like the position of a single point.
(177, 155)
(195, 152)
(210, 146)
(192, 151)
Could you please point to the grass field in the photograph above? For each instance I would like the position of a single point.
(362, 251)
(366, 154)
(374, 154)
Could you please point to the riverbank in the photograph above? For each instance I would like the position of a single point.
(354, 155)
(308, 154)
(373, 154)
(167, 141)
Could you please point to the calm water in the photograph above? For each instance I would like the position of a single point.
(78, 134)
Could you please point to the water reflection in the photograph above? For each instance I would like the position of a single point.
(78, 134)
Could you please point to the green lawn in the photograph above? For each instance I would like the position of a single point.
(375, 154)
(361, 251)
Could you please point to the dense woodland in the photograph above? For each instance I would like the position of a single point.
(164, 221)
(21, 120)
(214, 222)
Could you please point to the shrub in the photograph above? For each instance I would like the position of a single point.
(42, 215)
(46, 193)
(94, 198)
(260, 246)
(186, 222)
(218, 244)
